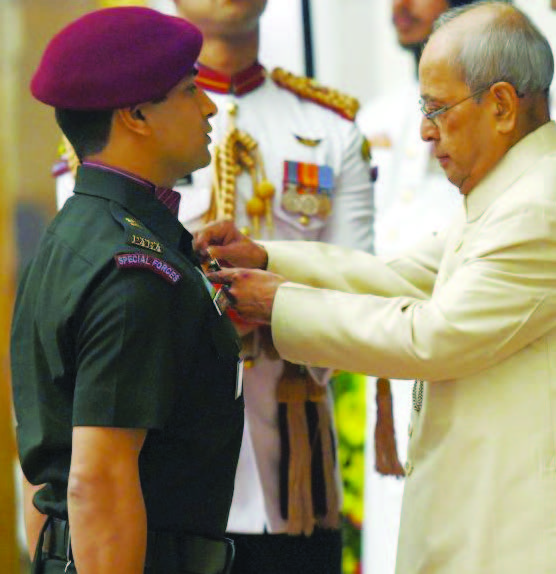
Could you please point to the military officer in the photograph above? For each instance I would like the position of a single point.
(126, 371)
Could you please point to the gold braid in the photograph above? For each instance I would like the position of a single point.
(343, 104)
(237, 153)
(68, 153)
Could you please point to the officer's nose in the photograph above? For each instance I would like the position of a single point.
(208, 107)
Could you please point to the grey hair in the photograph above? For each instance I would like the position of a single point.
(507, 48)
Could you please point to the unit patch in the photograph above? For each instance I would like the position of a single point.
(144, 242)
(144, 261)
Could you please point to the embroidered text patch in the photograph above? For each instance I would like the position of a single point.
(148, 262)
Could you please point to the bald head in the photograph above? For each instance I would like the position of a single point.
(494, 41)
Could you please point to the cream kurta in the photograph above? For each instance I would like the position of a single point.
(474, 314)
(413, 200)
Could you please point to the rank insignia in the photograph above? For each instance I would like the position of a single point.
(307, 190)
(307, 141)
(144, 261)
(145, 243)
(133, 222)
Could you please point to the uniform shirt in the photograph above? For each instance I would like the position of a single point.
(413, 199)
(115, 327)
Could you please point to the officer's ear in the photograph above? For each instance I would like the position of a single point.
(134, 119)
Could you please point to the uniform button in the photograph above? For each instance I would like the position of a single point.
(408, 468)
(410, 430)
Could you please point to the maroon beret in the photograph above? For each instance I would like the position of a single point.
(116, 58)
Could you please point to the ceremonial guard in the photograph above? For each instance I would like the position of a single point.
(288, 164)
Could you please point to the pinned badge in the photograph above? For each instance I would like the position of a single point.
(133, 222)
(308, 141)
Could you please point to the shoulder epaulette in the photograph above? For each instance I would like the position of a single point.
(308, 89)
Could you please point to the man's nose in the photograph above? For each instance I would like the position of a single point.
(429, 132)
(397, 4)
(209, 108)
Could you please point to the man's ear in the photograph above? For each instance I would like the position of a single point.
(134, 120)
(506, 103)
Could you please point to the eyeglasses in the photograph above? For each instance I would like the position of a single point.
(435, 113)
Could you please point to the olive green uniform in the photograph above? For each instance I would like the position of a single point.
(115, 326)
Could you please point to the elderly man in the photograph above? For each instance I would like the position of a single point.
(471, 313)
(413, 199)
(125, 371)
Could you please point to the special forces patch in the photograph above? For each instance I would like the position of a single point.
(144, 261)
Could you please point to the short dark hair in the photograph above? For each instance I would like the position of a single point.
(87, 130)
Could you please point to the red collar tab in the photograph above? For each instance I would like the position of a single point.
(239, 84)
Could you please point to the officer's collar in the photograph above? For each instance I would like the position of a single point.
(166, 195)
(134, 196)
(238, 84)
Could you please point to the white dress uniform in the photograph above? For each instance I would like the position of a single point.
(286, 128)
(413, 199)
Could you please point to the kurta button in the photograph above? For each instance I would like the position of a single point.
(392, 235)
(408, 468)
(407, 195)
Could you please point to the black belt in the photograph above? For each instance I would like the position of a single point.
(185, 553)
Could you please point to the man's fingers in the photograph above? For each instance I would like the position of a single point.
(214, 233)
(223, 277)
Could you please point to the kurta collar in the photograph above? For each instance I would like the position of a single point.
(515, 162)
(135, 197)
(239, 84)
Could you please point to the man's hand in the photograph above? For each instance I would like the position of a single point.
(251, 292)
(222, 240)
